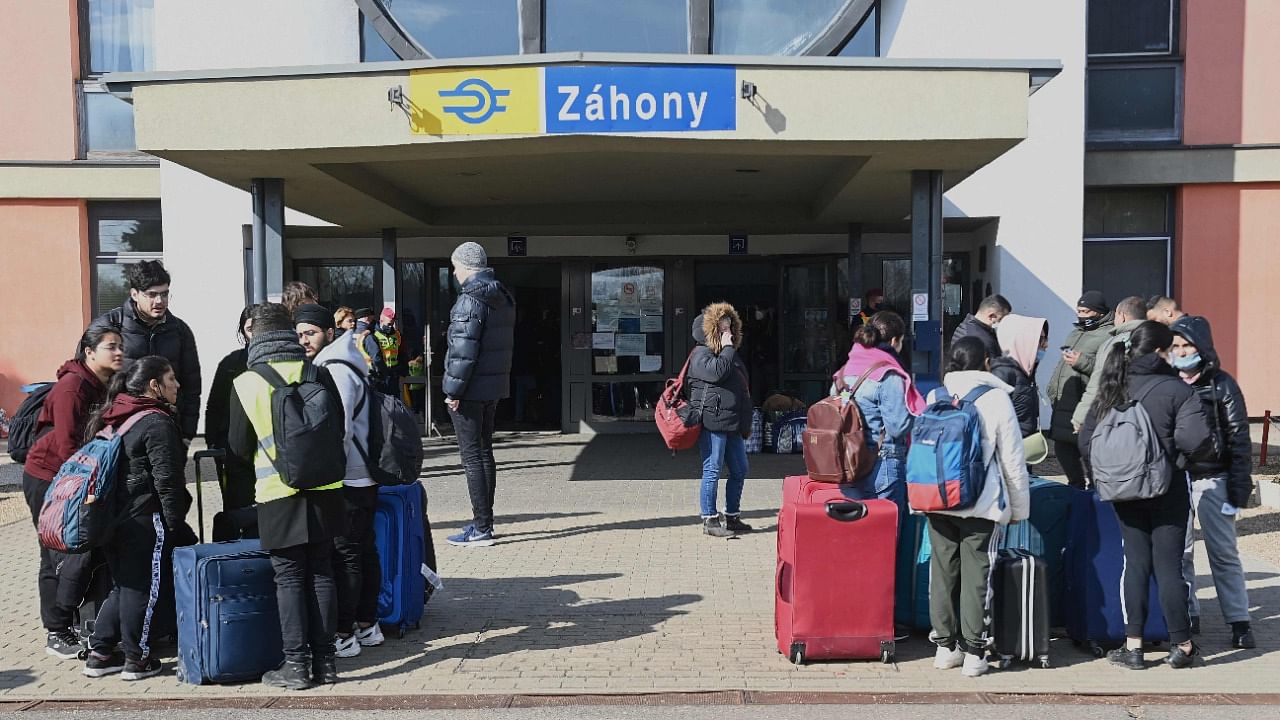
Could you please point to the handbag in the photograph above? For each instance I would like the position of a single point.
(678, 421)
(1036, 448)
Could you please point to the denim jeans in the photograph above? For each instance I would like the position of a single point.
(722, 448)
(473, 425)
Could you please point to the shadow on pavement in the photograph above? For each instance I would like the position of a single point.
(10, 679)
(692, 521)
(505, 519)
(644, 457)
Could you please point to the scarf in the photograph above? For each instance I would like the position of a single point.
(275, 346)
(861, 358)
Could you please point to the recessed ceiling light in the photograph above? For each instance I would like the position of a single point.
(747, 170)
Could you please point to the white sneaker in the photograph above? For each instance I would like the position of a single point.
(370, 636)
(974, 665)
(346, 647)
(946, 659)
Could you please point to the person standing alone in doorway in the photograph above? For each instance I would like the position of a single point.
(477, 374)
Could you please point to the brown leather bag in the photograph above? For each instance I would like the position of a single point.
(835, 440)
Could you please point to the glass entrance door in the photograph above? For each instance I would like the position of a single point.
(811, 341)
(628, 340)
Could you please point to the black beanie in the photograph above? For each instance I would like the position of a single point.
(313, 314)
(1093, 300)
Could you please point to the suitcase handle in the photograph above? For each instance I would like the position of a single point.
(214, 453)
(846, 511)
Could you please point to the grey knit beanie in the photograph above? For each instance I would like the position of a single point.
(471, 256)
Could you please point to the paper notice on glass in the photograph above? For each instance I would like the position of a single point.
(651, 323)
(631, 344)
(650, 363)
(606, 365)
(628, 311)
(607, 318)
(602, 341)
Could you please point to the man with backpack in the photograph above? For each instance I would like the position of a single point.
(357, 567)
(287, 423)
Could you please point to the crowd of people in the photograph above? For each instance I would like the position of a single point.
(137, 373)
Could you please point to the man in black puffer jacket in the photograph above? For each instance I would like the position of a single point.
(149, 328)
(477, 374)
(1222, 484)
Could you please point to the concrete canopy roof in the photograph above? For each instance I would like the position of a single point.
(825, 142)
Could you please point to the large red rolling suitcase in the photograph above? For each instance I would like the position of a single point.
(835, 575)
(800, 488)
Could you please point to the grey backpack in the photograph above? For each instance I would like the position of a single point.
(1127, 459)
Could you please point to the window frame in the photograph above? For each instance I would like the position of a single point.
(1093, 136)
(89, 82)
(1175, 33)
(1167, 237)
(98, 211)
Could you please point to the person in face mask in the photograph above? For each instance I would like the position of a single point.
(1222, 484)
(1129, 314)
(1094, 321)
(1024, 340)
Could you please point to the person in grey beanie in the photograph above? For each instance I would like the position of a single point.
(477, 371)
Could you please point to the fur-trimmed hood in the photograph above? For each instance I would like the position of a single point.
(704, 326)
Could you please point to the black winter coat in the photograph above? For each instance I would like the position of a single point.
(170, 339)
(973, 327)
(1176, 414)
(1228, 418)
(718, 386)
(1025, 396)
(477, 366)
(151, 475)
(217, 413)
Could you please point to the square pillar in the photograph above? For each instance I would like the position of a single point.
(926, 272)
(268, 239)
(389, 276)
(856, 291)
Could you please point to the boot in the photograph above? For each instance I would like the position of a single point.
(324, 670)
(1242, 636)
(291, 675)
(714, 526)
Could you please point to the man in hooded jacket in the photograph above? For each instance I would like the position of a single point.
(1067, 386)
(1220, 486)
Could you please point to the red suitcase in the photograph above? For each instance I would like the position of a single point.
(802, 487)
(834, 582)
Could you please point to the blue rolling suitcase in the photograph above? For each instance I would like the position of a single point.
(228, 624)
(911, 597)
(1094, 559)
(1044, 535)
(398, 527)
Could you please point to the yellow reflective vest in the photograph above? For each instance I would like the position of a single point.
(390, 345)
(255, 397)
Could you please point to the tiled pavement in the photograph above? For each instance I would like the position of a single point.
(601, 581)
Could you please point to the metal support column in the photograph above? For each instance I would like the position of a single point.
(268, 239)
(926, 272)
(389, 276)
(856, 291)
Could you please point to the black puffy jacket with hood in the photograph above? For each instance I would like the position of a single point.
(718, 382)
(1224, 407)
(481, 337)
(971, 326)
(152, 464)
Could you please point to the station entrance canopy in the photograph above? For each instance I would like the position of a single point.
(590, 143)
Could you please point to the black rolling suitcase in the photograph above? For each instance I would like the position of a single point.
(1020, 589)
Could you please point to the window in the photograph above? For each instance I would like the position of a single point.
(1128, 241)
(628, 341)
(116, 36)
(458, 28)
(1134, 82)
(654, 26)
(372, 47)
(865, 41)
(121, 234)
(108, 122)
(354, 284)
(1131, 27)
(769, 27)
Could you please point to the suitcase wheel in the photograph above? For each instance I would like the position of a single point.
(1097, 650)
(400, 632)
(886, 657)
(1044, 662)
(797, 653)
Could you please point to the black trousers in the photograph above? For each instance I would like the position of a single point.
(140, 556)
(473, 424)
(307, 599)
(1155, 535)
(1072, 462)
(63, 580)
(356, 565)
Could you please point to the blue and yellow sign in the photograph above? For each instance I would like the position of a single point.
(574, 99)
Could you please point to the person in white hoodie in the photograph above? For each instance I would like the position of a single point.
(965, 541)
(357, 569)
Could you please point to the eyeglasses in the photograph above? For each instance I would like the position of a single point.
(154, 296)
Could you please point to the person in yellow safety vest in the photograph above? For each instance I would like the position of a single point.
(297, 527)
(389, 343)
(417, 368)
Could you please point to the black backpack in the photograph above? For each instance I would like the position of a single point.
(22, 429)
(394, 455)
(309, 429)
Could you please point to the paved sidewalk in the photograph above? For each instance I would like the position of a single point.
(601, 581)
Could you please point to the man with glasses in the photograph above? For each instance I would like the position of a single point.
(148, 328)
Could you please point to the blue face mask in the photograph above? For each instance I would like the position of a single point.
(1039, 355)
(1190, 362)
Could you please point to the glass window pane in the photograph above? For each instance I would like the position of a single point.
(460, 28)
(338, 285)
(1143, 211)
(653, 26)
(120, 35)
(808, 341)
(625, 401)
(112, 289)
(1130, 267)
(627, 321)
(1129, 26)
(372, 47)
(863, 42)
(129, 236)
(769, 27)
(1132, 100)
(108, 122)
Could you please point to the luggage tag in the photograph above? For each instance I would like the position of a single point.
(432, 578)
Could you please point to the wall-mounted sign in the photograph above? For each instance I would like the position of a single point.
(517, 246)
(738, 244)
(919, 306)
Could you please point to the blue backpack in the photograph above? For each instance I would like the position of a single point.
(77, 511)
(944, 464)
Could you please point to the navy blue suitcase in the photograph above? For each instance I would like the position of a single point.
(228, 623)
(911, 596)
(1094, 560)
(1044, 535)
(398, 528)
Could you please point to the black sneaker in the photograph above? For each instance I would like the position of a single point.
(100, 666)
(290, 675)
(324, 671)
(714, 526)
(1179, 658)
(141, 669)
(734, 523)
(64, 644)
(1195, 624)
(1242, 636)
(1124, 657)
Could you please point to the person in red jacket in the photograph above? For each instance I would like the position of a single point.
(60, 430)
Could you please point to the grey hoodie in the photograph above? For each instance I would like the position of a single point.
(352, 387)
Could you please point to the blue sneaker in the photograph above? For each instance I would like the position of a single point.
(471, 537)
